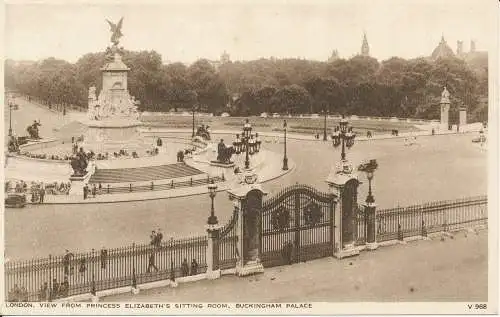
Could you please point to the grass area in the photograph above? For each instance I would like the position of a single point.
(298, 125)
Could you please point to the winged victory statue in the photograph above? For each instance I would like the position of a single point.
(116, 30)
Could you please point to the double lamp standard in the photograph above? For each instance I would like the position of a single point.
(247, 143)
(343, 135)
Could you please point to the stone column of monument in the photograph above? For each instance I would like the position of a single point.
(445, 108)
(343, 183)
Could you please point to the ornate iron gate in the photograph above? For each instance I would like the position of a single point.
(297, 225)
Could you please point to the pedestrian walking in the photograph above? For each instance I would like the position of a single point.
(159, 238)
(85, 192)
(94, 190)
(66, 262)
(42, 194)
(83, 266)
(153, 237)
(104, 258)
(152, 262)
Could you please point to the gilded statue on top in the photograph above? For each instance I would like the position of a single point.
(116, 31)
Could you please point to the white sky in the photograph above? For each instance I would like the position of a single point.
(186, 32)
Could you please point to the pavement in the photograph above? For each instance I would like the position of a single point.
(443, 269)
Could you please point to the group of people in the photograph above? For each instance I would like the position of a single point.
(87, 191)
(58, 290)
(156, 238)
(18, 294)
(186, 270)
(37, 190)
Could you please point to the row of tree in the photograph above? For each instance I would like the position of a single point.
(359, 85)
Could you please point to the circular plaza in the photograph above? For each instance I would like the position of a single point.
(436, 167)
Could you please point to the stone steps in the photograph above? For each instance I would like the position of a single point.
(141, 174)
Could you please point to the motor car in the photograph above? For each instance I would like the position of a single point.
(479, 139)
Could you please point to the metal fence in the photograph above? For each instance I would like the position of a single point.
(166, 186)
(66, 275)
(228, 244)
(420, 220)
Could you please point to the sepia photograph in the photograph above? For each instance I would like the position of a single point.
(250, 158)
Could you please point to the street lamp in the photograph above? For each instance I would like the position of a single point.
(345, 135)
(192, 135)
(285, 159)
(247, 129)
(369, 168)
(212, 187)
(12, 106)
(325, 112)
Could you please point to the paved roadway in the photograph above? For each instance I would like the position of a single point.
(439, 167)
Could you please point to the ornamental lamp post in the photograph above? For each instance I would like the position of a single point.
(193, 110)
(369, 168)
(369, 206)
(212, 188)
(285, 159)
(343, 130)
(247, 129)
(12, 106)
(325, 112)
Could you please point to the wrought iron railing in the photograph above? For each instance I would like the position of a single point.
(228, 243)
(82, 273)
(420, 220)
(108, 189)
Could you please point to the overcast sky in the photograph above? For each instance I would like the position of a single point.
(186, 32)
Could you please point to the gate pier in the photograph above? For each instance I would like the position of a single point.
(248, 202)
(343, 183)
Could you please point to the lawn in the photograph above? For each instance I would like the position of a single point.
(296, 125)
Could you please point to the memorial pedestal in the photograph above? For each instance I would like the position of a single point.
(77, 184)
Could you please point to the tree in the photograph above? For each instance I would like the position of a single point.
(291, 99)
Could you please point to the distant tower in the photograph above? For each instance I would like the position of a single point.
(224, 58)
(460, 48)
(334, 56)
(365, 48)
(472, 46)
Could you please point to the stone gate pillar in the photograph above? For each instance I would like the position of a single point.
(343, 183)
(248, 199)
(462, 120)
(371, 217)
(445, 109)
(213, 269)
